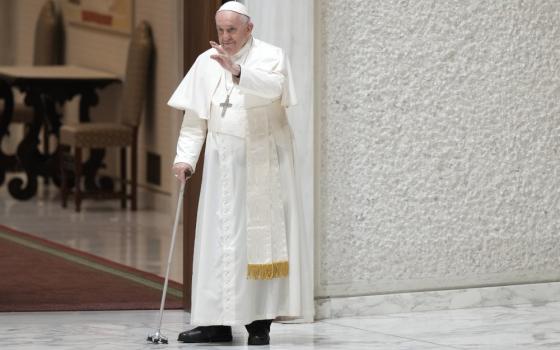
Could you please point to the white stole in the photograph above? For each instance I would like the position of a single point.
(267, 251)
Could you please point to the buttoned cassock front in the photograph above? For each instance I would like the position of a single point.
(221, 291)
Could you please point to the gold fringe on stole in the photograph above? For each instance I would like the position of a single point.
(268, 271)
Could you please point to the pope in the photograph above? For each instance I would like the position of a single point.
(248, 264)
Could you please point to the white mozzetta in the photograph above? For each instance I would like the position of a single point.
(440, 157)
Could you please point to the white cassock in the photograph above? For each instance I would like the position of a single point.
(222, 294)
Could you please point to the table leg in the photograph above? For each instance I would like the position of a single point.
(52, 127)
(28, 153)
(7, 162)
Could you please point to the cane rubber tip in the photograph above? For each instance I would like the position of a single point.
(157, 338)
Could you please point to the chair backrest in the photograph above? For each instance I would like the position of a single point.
(137, 71)
(47, 48)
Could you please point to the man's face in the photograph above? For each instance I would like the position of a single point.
(233, 30)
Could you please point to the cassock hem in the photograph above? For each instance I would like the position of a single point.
(273, 316)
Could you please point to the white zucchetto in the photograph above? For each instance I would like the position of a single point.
(235, 7)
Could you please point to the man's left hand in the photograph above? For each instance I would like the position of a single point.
(224, 59)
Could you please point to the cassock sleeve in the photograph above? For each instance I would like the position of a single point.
(191, 139)
(271, 79)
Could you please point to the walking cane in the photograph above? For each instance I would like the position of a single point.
(157, 337)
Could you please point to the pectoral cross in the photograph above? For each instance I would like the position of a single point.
(225, 105)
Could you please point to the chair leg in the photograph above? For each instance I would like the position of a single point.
(46, 149)
(63, 181)
(78, 174)
(134, 173)
(123, 178)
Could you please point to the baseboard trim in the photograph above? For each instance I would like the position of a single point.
(535, 294)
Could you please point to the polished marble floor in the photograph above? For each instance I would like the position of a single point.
(492, 328)
(141, 240)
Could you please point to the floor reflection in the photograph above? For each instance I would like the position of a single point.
(138, 239)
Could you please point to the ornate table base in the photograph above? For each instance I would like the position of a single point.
(45, 88)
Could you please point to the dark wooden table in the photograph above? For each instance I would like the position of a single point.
(46, 89)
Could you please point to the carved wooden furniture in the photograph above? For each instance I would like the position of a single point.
(44, 87)
(122, 134)
(47, 50)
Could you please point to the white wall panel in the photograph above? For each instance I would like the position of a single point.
(439, 144)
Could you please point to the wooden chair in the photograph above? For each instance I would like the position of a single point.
(122, 134)
(47, 50)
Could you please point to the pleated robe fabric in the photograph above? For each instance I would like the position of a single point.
(221, 292)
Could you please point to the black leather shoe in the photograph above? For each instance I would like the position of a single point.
(208, 334)
(258, 339)
(259, 331)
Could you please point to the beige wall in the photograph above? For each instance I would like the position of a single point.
(107, 51)
(438, 145)
(6, 28)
